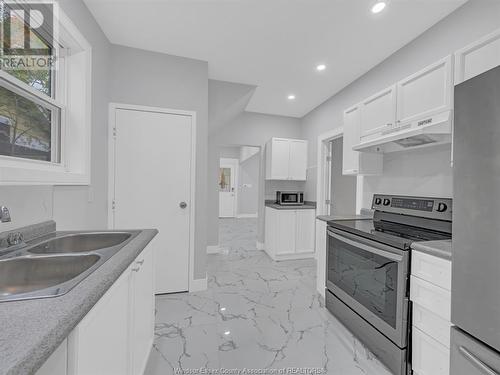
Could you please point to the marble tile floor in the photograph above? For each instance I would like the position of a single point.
(255, 314)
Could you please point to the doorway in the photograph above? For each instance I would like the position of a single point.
(342, 192)
(228, 187)
(151, 185)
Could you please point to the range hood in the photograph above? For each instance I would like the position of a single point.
(432, 130)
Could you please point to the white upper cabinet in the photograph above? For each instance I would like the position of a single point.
(298, 159)
(286, 159)
(378, 113)
(425, 93)
(354, 162)
(477, 57)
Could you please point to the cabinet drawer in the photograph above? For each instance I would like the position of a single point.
(432, 269)
(430, 296)
(431, 324)
(429, 357)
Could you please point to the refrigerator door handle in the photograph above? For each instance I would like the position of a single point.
(485, 369)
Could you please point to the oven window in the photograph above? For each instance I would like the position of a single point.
(290, 198)
(368, 278)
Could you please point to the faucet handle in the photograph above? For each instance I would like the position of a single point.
(15, 238)
(4, 214)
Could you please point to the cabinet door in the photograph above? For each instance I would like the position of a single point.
(350, 158)
(270, 231)
(429, 357)
(354, 162)
(304, 222)
(425, 93)
(99, 345)
(477, 57)
(285, 232)
(57, 362)
(298, 160)
(378, 113)
(142, 311)
(280, 159)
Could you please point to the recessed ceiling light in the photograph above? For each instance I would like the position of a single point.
(321, 67)
(223, 309)
(378, 7)
(291, 97)
(227, 333)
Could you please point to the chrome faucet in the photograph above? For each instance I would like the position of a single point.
(4, 214)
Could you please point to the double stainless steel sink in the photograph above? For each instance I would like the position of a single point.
(52, 267)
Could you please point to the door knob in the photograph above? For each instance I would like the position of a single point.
(183, 205)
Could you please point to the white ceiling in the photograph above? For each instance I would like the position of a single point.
(273, 44)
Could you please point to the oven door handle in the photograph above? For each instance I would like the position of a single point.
(370, 249)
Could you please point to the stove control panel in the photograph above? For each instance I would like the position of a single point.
(435, 208)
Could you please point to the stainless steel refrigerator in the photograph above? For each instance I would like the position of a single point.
(475, 294)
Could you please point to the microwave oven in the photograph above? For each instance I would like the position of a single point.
(290, 198)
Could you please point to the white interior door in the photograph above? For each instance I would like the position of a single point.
(152, 187)
(228, 188)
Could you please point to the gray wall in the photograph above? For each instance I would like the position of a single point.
(252, 129)
(160, 80)
(343, 188)
(248, 196)
(467, 24)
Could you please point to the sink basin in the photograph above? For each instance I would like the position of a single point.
(22, 277)
(83, 242)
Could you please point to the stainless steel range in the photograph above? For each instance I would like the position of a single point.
(368, 266)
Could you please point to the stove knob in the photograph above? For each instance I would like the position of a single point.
(378, 201)
(442, 207)
(387, 202)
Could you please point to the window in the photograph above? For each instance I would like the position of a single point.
(44, 109)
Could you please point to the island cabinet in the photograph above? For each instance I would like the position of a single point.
(116, 336)
(289, 234)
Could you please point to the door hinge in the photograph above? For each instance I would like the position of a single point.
(328, 201)
(113, 204)
(114, 132)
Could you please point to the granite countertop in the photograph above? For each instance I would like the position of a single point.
(31, 330)
(441, 249)
(306, 206)
(365, 214)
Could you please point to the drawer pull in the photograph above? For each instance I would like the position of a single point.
(485, 369)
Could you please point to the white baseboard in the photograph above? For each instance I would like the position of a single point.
(246, 216)
(213, 249)
(198, 285)
(260, 246)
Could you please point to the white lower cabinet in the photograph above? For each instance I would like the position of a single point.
(116, 336)
(289, 234)
(57, 363)
(430, 293)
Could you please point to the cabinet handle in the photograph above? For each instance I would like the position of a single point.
(136, 269)
(140, 262)
(480, 365)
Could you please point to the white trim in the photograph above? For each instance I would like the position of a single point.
(323, 139)
(245, 216)
(198, 285)
(113, 107)
(213, 249)
(260, 246)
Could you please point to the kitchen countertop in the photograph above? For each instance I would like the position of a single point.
(306, 206)
(441, 249)
(31, 330)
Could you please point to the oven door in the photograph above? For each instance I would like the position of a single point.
(289, 198)
(371, 278)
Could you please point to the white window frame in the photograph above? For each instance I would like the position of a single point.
(73, 97)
